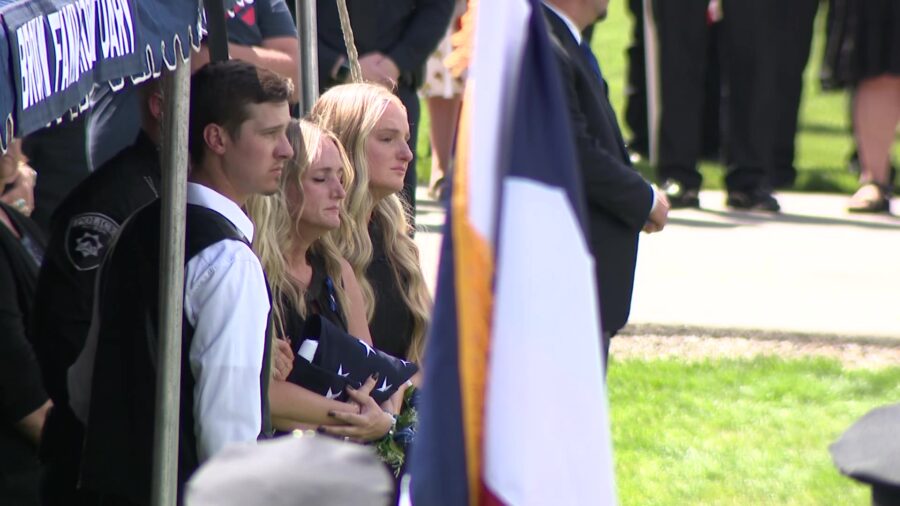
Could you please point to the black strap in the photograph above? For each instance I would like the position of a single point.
(268, 430)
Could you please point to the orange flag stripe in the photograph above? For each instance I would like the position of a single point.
(474, 267)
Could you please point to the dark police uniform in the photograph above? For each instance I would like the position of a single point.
(81, 231)
(118, 449)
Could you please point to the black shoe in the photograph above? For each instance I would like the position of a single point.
(755, 200)
(679, 196)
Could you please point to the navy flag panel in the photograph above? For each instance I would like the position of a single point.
(438, 454)
(541, 120)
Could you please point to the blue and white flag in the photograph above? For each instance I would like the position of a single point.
(514, 408)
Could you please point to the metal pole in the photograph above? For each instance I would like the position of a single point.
(309, 53)
(176, 96)
(217, 31)
(651, 67)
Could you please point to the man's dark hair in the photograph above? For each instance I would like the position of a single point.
(220, 93)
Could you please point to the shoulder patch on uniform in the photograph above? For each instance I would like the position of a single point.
(87, 237)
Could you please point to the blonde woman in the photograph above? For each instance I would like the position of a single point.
(371, 123)
(308, 276)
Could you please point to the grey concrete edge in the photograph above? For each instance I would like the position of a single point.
(669, 330)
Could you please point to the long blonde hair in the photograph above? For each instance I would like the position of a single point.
(351, 111)
(278, 225)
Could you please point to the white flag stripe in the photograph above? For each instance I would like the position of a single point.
(499, 35)
(547, 435)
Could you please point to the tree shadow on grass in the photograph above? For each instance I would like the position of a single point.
(825, 180)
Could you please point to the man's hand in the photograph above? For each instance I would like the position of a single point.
(377, 67)
(659, 215)
(282, 360)
(21, 194)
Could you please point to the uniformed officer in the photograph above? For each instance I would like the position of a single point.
(81, 231)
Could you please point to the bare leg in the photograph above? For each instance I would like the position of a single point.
(876, 112)
(444, 117)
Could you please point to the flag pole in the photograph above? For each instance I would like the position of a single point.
(176, 93)
(309, 53)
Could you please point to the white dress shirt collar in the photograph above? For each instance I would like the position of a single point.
(567, 20)
(207, 197)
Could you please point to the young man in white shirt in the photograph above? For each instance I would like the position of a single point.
(239, 115)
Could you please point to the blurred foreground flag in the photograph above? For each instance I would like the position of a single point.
(514, 408)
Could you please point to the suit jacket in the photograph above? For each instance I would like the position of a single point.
(618, 199)
(407, 31)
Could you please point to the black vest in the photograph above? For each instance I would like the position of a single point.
(118, 452)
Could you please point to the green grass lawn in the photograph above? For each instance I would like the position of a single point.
(824, 142)
(737, 431)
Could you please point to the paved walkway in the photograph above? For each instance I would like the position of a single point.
(813, 269)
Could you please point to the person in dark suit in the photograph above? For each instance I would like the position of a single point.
(749, 58)
(394, 39)
(794, 34)
(619, 201)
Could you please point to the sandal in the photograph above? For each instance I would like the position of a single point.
(871, 198)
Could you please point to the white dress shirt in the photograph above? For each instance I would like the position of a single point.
(226, 301)
(567, 20)
(227, 304)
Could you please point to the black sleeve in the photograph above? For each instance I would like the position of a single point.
(608, 182)
(21, 391)
(424, 31)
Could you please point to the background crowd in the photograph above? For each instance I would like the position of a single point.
(725, 84)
